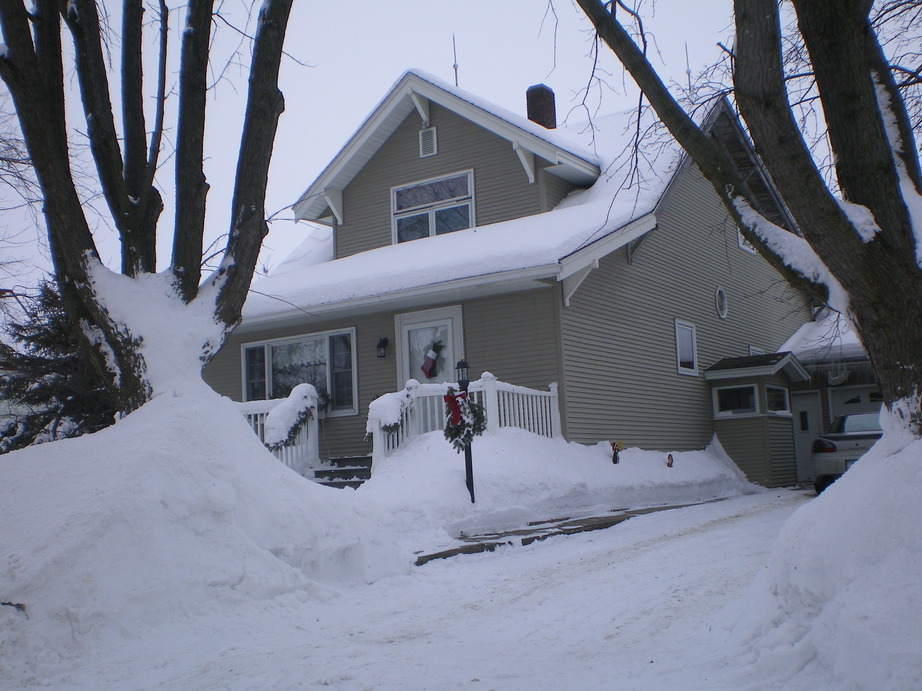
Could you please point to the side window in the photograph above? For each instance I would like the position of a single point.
(744, 243)
(735, 400)
(433, 207)
(686, 348)
(326, 360)
(776, 399)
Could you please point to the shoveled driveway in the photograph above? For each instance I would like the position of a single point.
(541, 530)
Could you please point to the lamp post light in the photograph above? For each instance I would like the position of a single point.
(462, 375)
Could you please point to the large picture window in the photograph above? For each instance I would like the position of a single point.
(433, 207)
(326, 360)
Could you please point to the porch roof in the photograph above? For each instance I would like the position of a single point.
(757, 366)
(535, 251)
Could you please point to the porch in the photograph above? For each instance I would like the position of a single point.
(394, 419)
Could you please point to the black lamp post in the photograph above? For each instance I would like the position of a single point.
(462, 374)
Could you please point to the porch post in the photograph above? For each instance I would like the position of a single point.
(490, 401)
(555, 409)
(378, 446)
(313, 439)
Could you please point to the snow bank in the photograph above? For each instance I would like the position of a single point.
(841, 602)
(175, 511)
(519, 477)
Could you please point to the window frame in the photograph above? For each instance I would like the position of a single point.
(267, 344)
(784, 412)
(683, 325)
(431, 209)
(718, 413)
(744, 244)
(451, 315)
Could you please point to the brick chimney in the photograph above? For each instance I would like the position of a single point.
(540, 106)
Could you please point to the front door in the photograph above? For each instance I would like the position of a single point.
(808, 425)
(428, 345)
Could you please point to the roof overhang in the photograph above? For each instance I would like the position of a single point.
(469, 288)
(414, 92)
(576, 266)
(788, 364)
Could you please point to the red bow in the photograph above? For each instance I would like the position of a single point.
(455, 406)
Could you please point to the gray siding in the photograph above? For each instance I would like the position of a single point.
(554, 188)
(501, 188)
(618, 334)
(781, 451)
(747, 442)
(516, 337)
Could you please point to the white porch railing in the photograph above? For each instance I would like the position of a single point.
(396, 418)
(304, 453)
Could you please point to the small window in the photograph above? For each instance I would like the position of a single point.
(686, 348)
(744, 243)
(433, 207)
(776, 399)
(326, 360)
(428, 143)
(735, 400)
(720, 301)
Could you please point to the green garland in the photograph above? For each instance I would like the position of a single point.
(467, 422)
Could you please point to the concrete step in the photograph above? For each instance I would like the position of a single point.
(346, 471)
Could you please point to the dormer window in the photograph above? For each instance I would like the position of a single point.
(433, 207)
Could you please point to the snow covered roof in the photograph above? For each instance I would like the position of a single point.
(562, 245)
(830, 338)
(757, 366)
(414, 91)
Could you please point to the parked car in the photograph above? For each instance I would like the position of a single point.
(847, 440)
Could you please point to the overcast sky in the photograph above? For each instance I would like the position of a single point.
(351, 53)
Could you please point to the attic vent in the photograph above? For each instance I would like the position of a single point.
(428, 143)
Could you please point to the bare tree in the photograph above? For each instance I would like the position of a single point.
(857, 245)
(126, 155)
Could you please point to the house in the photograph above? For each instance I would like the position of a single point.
(540, 255)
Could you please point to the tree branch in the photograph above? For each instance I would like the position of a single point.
(191, 187)
(248, 214)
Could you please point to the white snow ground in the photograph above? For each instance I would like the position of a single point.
(171, 551)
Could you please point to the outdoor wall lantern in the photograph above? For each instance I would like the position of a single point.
(382, 346)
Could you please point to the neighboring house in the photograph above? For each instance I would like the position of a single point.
(841, 382)
(461, 229)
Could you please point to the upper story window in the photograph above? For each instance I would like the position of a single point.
(326, 360)
(433, 207)
(686, 348)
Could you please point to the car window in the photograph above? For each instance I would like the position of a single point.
(865, 422)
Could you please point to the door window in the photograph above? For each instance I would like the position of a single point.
(429, 345)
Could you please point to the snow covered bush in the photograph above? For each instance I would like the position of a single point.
(285, 419)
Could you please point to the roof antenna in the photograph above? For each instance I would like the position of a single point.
(687, 68)
(454, 48)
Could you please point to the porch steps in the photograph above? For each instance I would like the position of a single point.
(346, 471)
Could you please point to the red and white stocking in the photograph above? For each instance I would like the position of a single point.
(429, 368)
